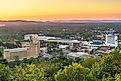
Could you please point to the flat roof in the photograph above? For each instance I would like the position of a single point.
(77, 54)
(16, 49)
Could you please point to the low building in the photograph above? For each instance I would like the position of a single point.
(78, 55)
(63, 46)
(96, 43)
(74, 44)
(12, 54)
(104, 50)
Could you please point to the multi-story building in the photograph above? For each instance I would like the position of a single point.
(29, 49)
(111, 40)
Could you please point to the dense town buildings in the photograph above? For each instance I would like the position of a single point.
(31, 46)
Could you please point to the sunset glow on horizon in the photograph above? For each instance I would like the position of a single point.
(60, 9)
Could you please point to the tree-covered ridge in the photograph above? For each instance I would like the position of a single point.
(107, 68)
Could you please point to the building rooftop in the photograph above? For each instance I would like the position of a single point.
(15, 50)
(63, 46)
(78, 54)
(75, 41)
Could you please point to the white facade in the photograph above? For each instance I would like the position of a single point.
(78, 54)
(29, 36)
(111, 40)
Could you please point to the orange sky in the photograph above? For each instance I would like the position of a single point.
(60, 9)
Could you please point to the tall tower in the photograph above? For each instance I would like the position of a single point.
(36, 42)
(34, 45)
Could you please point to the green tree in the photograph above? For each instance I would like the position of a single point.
(74, 72)
(88, 62)
(5, 73)
(109, 78)
(118, 77)
(1, 54)
(49, 50)
(50, 69)
(25, 60)
(108, 65)
(28, 73)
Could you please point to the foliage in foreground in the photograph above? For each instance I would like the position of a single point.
(107, 68)
(75, 72)
(28, 73)
(5, 73)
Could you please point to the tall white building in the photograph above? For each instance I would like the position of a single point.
(111, 40)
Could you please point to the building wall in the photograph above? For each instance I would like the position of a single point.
(6, 55)
(14, 55)
(34, 50)
(18, 55)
